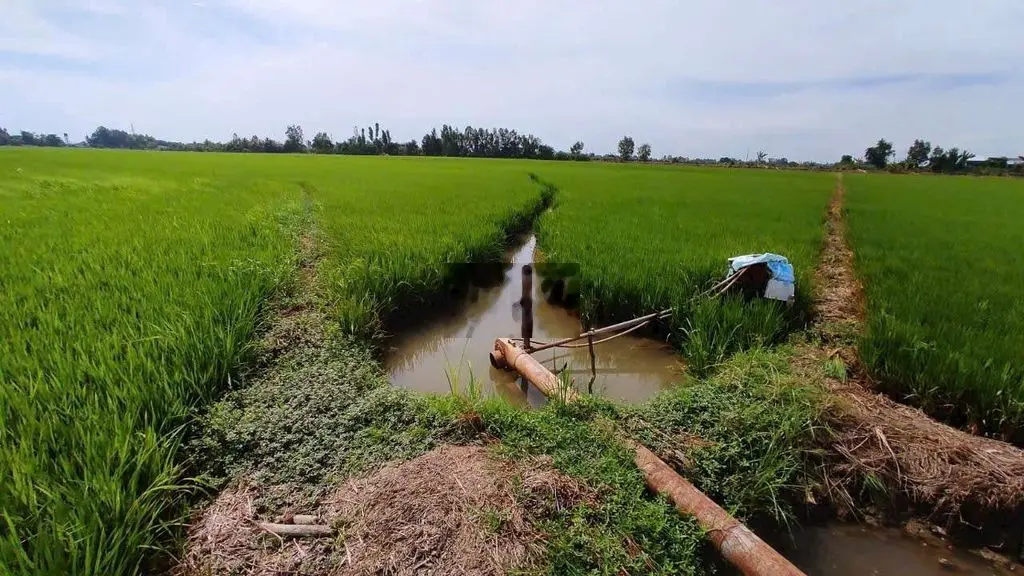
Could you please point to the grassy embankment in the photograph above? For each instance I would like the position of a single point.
(941, 264)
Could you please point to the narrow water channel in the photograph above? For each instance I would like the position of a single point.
(444, 353)
(855, 550)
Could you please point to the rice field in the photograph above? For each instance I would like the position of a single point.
(127, 299)
(389, 240)
(941, 263)
(651, 237)
(132, 284)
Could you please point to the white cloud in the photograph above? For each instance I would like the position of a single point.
(565, 70)
(24, 31)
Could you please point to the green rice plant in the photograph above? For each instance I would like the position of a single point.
(652, 237)
(471, 391)
(565, 390)
(126, 299)
(712, 330)
(941, 264)
(392, 239)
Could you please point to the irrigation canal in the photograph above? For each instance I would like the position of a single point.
(629, 368)
(455, 346)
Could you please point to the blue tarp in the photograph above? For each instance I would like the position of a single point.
(779, 266)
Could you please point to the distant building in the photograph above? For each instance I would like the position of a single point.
(1008, 161)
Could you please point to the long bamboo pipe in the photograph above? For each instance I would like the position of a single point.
(737, 543)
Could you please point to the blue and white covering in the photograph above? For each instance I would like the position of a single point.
(782, 279)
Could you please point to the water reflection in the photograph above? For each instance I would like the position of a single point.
(853, 550)
(628, 368)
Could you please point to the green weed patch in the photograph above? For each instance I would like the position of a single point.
(748, 436)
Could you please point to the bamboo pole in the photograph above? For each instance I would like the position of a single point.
(598, 331)
(737, 544)
(717, 289)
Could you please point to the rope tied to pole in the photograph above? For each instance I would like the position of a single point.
(629, 326)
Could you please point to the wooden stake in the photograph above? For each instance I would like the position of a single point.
(297, 530)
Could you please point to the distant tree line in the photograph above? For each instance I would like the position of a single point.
(923, 157)
(24, 138)
(506, 143)
(371, 140)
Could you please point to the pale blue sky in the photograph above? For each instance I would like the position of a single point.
(802, 79)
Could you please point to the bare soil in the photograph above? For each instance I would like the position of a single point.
(454, 510)
(839, 302)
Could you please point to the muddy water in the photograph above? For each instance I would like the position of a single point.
(852, 550)
(443, 354)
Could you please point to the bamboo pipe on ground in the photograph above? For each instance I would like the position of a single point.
(737, 543)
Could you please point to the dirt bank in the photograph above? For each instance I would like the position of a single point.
(909, 462)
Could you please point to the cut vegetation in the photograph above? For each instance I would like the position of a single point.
(454, 510)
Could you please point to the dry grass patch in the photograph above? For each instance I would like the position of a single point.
(454, 510)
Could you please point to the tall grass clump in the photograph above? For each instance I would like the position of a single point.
(653, 237)
(125, 301)
(943, 274)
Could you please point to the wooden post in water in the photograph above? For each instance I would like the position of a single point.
(526, 302)
(593, 364)
(526, 307)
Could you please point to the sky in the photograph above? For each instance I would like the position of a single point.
(801, 79)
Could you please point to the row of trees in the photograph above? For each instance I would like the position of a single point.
(505, 143)
(24, 138)
(921, 155)
(450, 141)
(102, 137)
